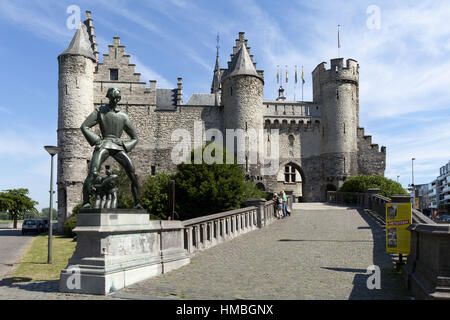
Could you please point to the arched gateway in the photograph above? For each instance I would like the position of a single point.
(291, 179)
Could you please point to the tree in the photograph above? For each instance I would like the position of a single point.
(17, 203)
(361, 183)
(155, 195)
(45, 213)
(203, 189)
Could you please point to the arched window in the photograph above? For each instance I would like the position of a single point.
(289, 174)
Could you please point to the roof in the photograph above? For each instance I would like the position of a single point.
(80, 44)
(242, 64)
(166, 99)
(201, 99)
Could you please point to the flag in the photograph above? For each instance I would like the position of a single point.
(303, 77)
(286, 75)
(295, 74)
(278, 74)
(339, 40)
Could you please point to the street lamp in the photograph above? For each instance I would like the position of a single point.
(52, 151)
(412, 183)
(397, 178)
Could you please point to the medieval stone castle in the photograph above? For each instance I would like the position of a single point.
(321, 143)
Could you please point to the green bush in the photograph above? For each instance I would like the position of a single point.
(361, 183)
(124, 197)
(251, 191)
(203, 189)
(349, 198)
(155, 195)
(69, 225)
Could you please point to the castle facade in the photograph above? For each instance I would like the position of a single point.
(320, 141)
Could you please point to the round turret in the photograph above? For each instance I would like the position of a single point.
(337, 90)
(75, 103)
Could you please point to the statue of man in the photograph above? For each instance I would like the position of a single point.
(112, 123)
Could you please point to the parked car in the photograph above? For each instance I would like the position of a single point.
(32, 225)
(45, 223)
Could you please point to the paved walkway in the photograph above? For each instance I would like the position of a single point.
(12, 245)
(320, 252)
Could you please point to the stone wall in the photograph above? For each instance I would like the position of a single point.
(371, 160)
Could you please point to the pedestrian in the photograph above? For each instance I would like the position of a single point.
(278, 205)
(284, 197)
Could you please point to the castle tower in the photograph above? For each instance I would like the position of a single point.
(336, 90)
(75, 103)
(242, 92)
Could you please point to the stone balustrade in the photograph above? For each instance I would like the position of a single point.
(207, 231)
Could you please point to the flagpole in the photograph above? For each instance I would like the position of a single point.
(303, 82)
(339, 42)
(295, 82)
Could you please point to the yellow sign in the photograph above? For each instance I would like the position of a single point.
(398, 218)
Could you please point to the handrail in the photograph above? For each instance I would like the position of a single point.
(215, 216)
(207, 231)
(376, 203)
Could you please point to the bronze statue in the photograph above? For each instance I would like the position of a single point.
(112, 123)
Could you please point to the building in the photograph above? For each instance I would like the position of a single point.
(321, 143)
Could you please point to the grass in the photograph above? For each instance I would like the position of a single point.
(34, 264)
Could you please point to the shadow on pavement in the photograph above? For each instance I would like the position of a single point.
(28, 285)
(15, 233)
(392, 286)
(319, 240)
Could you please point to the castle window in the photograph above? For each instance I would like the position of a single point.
(153, 170)
(337, 94)
(289, 174)
(114, 74)
(231, 91)
(291, 140)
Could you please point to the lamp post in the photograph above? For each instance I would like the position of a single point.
(52, 151)
(397, 178)
(412, 183)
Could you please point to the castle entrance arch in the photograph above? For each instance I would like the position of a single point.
(329, 187)
(291, 179)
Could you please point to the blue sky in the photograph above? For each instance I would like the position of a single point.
(404, 77)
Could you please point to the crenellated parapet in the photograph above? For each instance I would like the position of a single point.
(371, 159)
(291, 124)
(337, 73)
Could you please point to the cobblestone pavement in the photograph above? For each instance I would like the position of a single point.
(320, 252)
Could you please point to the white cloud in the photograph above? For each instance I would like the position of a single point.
(35, 20)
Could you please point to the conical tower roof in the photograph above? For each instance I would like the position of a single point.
(242, 64)
(80, 44)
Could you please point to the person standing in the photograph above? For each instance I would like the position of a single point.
(279, 205)
(284, 197)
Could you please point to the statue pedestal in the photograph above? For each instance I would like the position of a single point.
(119, 247)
